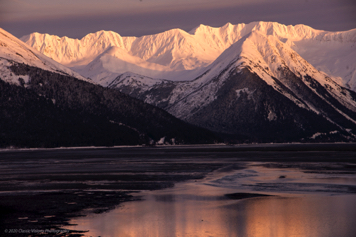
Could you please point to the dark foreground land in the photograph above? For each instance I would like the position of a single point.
(41, 190)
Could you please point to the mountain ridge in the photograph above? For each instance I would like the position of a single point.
(273, 67)
(41, 105)
(254, 85)
(183, 55)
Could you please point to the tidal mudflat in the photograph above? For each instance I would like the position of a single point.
(246, 190)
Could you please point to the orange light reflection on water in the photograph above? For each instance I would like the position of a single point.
(303, 216)
(189, 215)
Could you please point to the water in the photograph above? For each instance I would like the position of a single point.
(305, 200)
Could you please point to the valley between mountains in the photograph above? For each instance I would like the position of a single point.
(256, 82)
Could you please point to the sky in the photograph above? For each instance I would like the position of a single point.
(76, 18)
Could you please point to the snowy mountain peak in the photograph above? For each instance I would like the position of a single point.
(302, 32)
(200, 28)
(262, 76)
(71, 52)
(259, 81)
(178, 55)
(14, 50)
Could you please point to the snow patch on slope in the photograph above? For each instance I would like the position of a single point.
(135, 81)
(249, 93)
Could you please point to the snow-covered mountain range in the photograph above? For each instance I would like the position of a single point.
(231, 95)
(180, 56)
(263, 80)
(45, 104)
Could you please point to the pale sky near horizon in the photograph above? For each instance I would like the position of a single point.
(76, 18)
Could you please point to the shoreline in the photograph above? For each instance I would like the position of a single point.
(337, 146)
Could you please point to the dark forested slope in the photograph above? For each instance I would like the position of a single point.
(57, 110)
